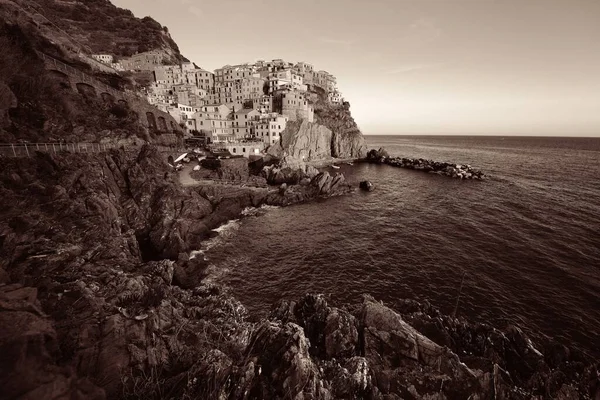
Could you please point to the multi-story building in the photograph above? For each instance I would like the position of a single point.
(244, 121)
(252, 88)
(214, 121)
(269, 129)
(325, 80)
(263, 104)
(104, 58)
(335, 97)
(294, 105)
(233, 72)
(202, 78)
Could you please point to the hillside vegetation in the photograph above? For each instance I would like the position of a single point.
(102, 27)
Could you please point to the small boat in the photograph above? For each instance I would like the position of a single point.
(335, 166)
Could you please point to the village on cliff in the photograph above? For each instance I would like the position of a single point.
(242, 108)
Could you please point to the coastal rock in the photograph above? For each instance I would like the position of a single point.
(230, 169)
(350, 144)
(315, 141)
(138, 318)
(306, 140)
(286, 369)
(367, 186)
(377, 154)
(29, 348)
(434, 167)
(346, 141)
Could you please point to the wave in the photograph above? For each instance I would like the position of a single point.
(256, 211)
(224, 232)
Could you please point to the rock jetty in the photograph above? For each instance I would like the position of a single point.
(451, 170)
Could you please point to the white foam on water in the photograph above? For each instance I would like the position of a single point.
(253, 211)
(225, 231)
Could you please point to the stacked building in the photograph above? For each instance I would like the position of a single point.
(241, 103)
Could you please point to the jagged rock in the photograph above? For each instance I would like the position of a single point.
(306, 141)
(231, 169)
(433, 167)
(311, 171)
(350, 144)
(94, 240)
(311, 141)
(280, 365)
(283, 188)
(347, 141)
(29, 346)
(367, 185)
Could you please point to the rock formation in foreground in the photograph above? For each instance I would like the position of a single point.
(101, 298)
(451, 170)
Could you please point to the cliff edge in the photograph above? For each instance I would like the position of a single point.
(333, 134)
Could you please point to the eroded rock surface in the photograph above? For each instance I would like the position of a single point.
(100, 298)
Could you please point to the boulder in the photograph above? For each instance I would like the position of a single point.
(367, 185)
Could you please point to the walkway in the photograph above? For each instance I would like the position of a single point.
(29, 149)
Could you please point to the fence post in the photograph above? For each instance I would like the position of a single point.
(14, 152)
(27, 150)
(78, 148)
(60, 146)
(53, 148)
(37, 146)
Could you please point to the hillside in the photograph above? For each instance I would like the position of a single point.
(98, 26)
(39, 105)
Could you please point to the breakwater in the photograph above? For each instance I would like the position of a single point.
(451, 170)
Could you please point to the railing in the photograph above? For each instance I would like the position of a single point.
(29, 149)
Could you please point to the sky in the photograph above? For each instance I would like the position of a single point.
(495, 67)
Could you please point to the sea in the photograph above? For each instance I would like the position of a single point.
(523, 244)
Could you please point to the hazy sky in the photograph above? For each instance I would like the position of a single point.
(416, 66)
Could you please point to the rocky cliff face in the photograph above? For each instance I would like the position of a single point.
(347, 140)
(304, 140)
(100, 298)
(333, 134)
(38, 105)
(102, 28)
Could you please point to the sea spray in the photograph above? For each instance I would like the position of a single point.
(223, 232)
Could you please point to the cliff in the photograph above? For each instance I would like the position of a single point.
(116, 32)
(304, 140)
(100, 298)
(334, 134)
(41, 105)
(347, 141)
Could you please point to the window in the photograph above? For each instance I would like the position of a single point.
(234, 149)
(243, 149)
